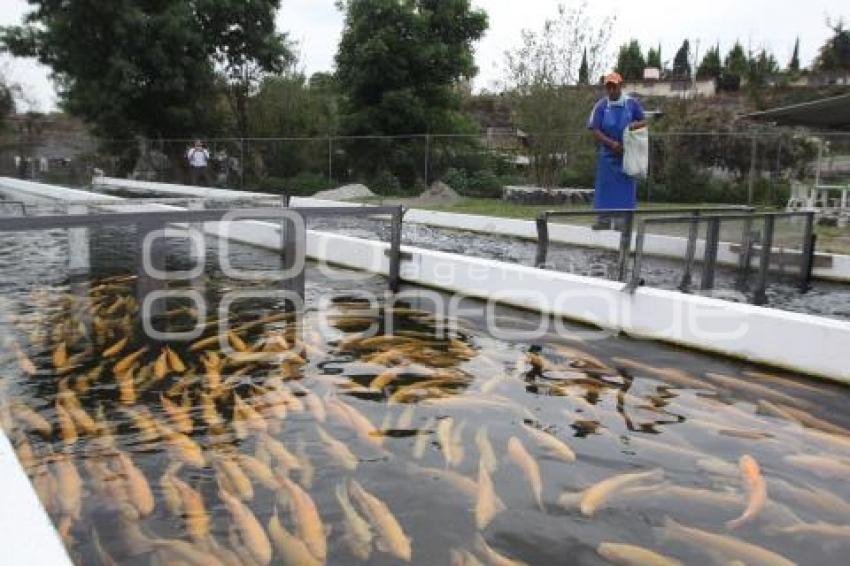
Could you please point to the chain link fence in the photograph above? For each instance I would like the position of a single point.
(696, 167)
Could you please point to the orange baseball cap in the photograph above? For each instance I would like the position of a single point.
(614, 78)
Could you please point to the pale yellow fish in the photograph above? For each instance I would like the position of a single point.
(358, 534)
(60, 356)
(126, 387)
(138, 488)
(338, 450)
(358, 422)
(493, 557)
(487, 505)
(316, 406)
(631, 555)
(144, 423)
(172, 496)
(823, 466)
(818, 529)
(452, 451)
(236, 341)
(194, 511)
(306, 515)
(597, 495)
(250, 530)
(69, 486)
(306, 470)
(180, 416)
(457, 481)
(277, 449)
(554, 446)
(459, 557)
(756, 490)
(174, 361)
(127, 362)
(209, 412)
(236, 478)
(84, 422)
(526, 462)
(25, 363)
(753, 388)
(31, 419)
(160, 366)
(116, 348)
(422, 439)
(253, 420)
(485, 449)
(258, 470)
(390, 533)
(405, 420)
(182, 447)
(66, 425)
(291, 549)
(730, 548)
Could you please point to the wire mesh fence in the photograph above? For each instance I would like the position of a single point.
(693, 167)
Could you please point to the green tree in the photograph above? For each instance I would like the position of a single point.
(735, 68)
(653, 58)
(541, 74)
(405, 83)
(682, 61)
(399, 65)
(794, 64)
(835, 53)
(630, 61)
(584, 70)
(131, 67)
(711, 66)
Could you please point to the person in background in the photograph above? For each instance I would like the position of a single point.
(608, 121)
(199, 160)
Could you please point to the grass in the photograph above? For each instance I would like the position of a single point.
(830, 239)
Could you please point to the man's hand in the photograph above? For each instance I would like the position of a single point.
(637, 125)
(616, 147)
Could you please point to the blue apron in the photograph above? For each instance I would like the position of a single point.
(614, 189)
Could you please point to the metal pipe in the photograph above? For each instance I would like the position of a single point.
(760, 296)
(625, 246)
(709, 263)
(807, 261)
(690, 253)
(291, 235)
(745, 256)
(395, 251)
(641, 238)
(542, 240)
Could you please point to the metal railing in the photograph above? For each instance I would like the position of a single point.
(626, 227)
(147, 222)
(747, 249)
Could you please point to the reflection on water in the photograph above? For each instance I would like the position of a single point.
(378, 433)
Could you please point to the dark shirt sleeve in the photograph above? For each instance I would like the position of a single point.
(595, 120)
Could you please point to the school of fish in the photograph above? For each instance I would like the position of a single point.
(254, 440)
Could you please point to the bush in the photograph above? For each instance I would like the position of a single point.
(484, 184)
(303, 184)
(456, 179)
(385, 183)
(480, 184)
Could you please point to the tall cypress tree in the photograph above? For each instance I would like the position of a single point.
(584, 70)
(682, 61)
(794, 65)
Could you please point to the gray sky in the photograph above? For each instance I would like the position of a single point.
(316, 25)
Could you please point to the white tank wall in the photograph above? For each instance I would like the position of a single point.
(805, 343)
(654, 245)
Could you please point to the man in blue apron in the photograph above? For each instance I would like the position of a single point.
(608, 122)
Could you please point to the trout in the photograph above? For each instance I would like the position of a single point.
(529, 467)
